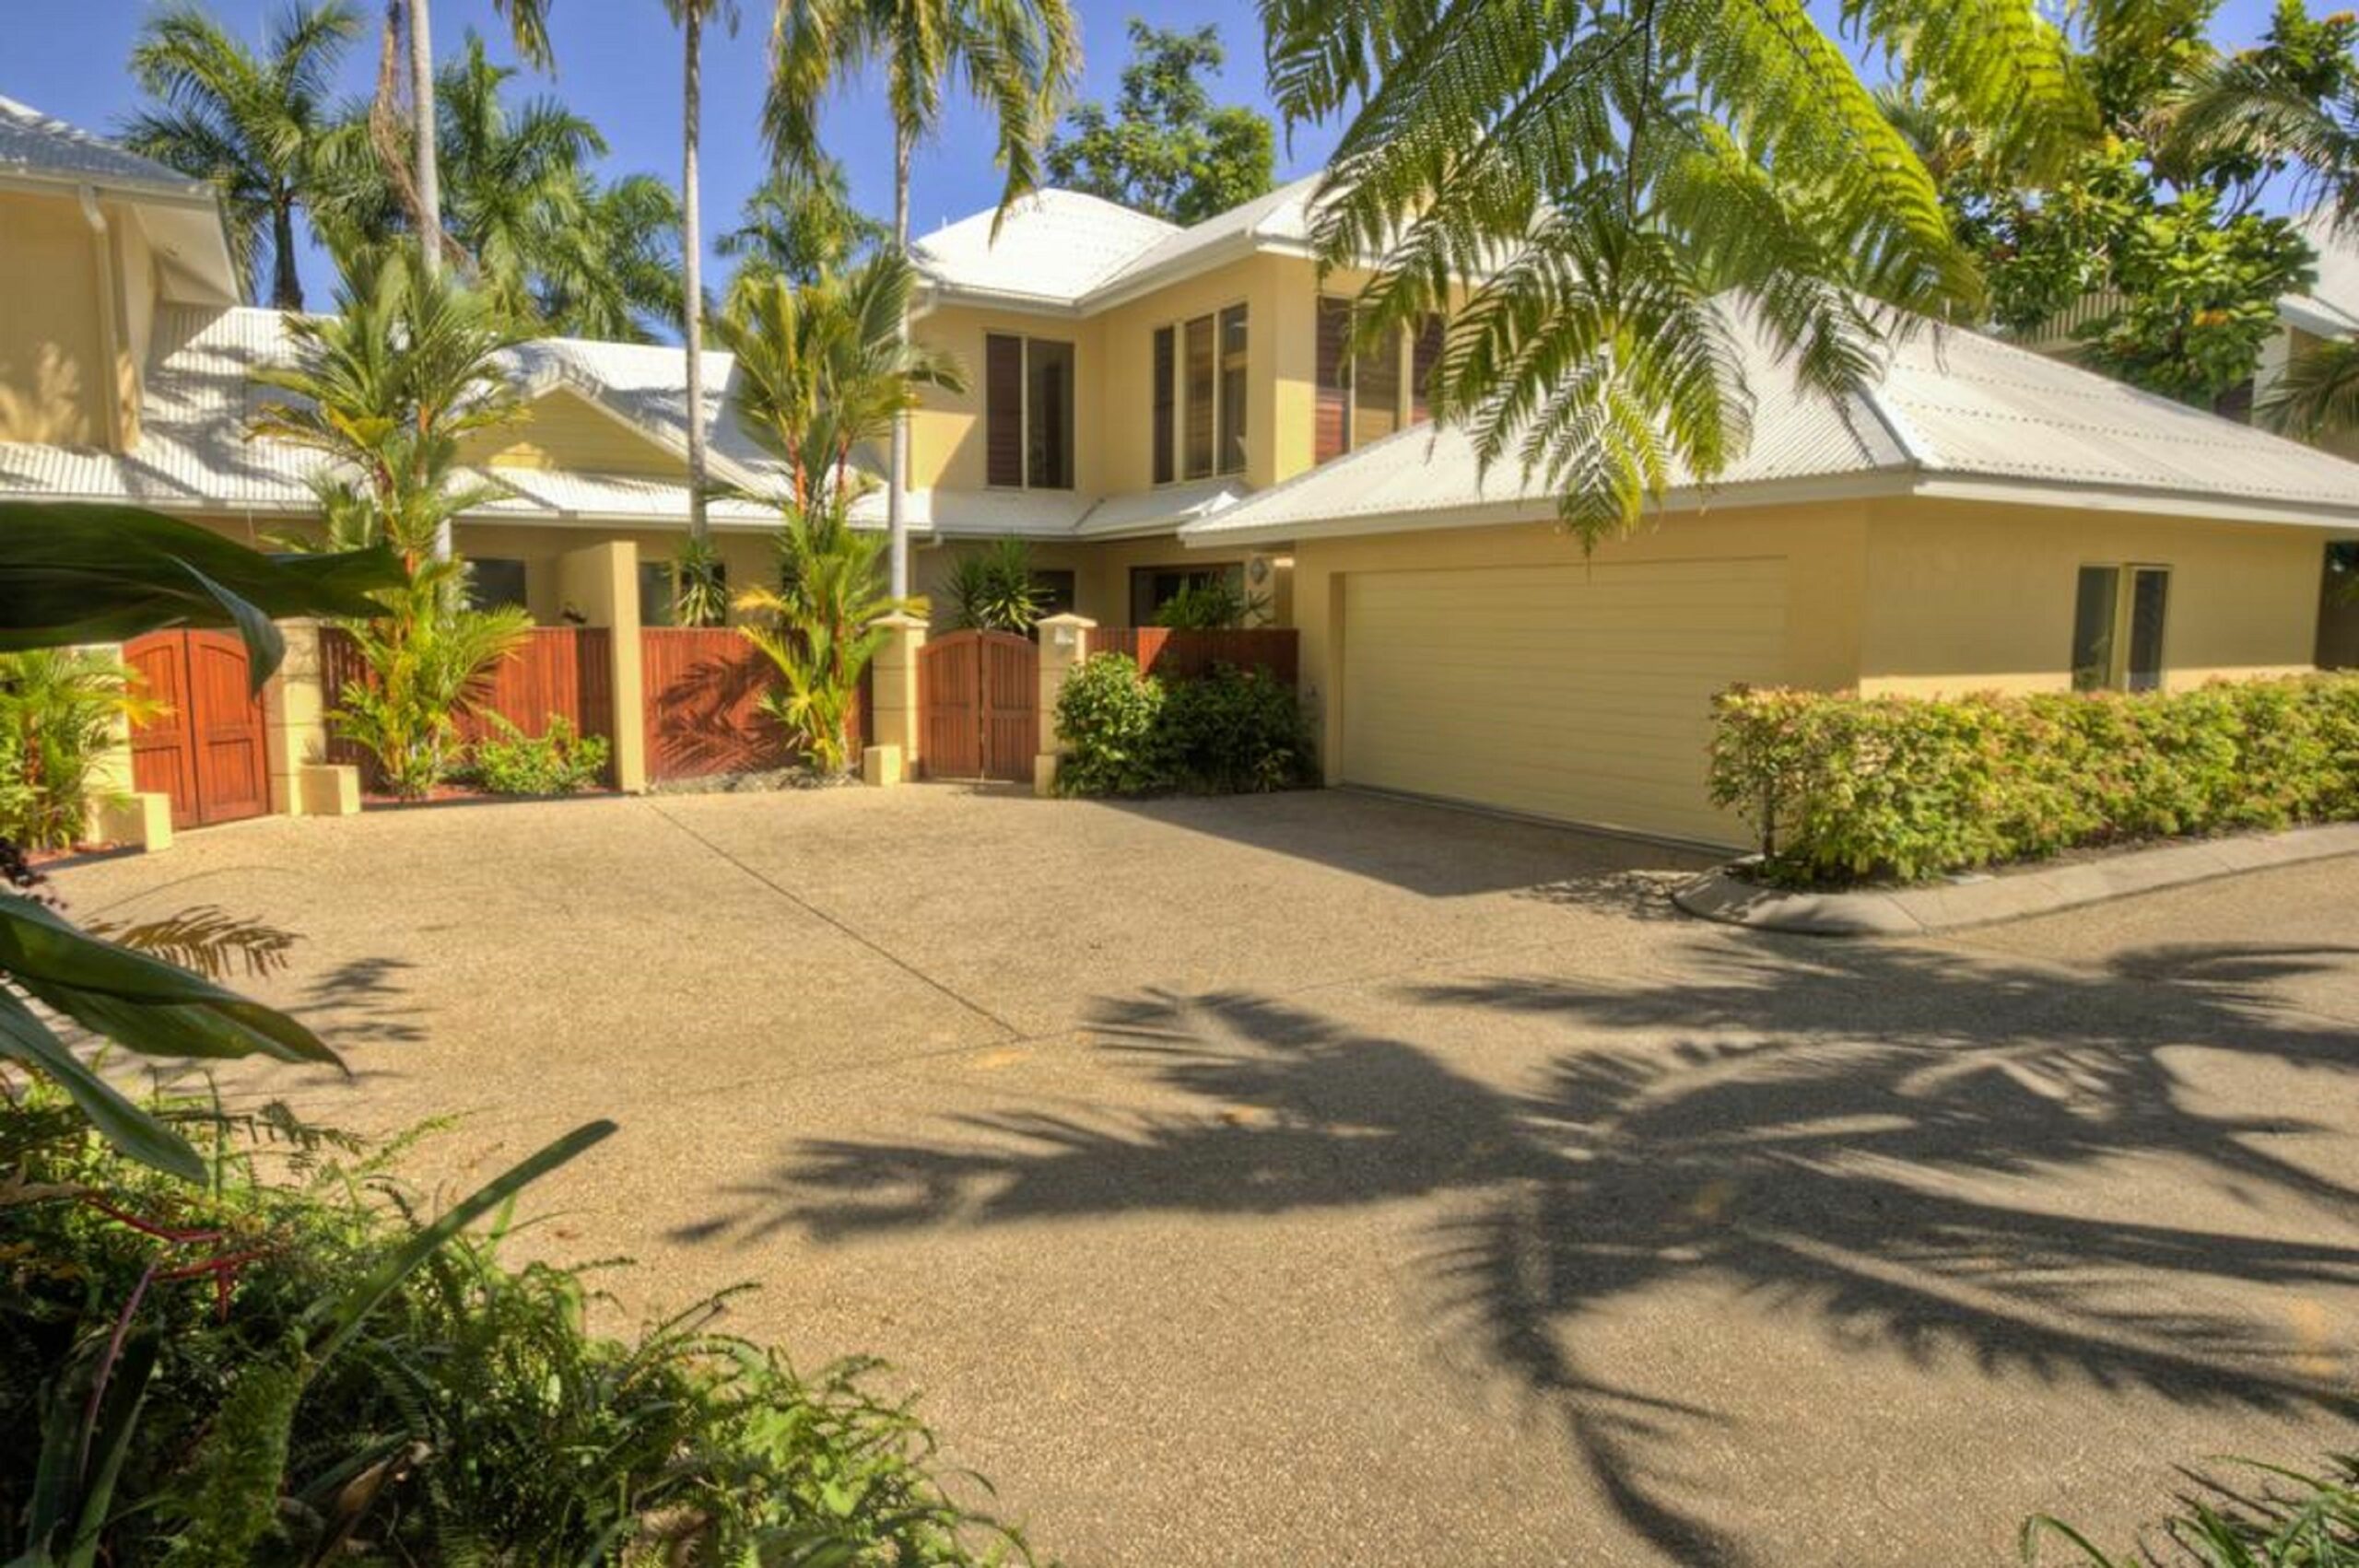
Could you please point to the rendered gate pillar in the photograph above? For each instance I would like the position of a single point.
(897, 726)
(600, 583)
(295, 733)
(1065, 642)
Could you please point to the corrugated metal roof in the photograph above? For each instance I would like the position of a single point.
(1949, 405)
(1052, 247)
(37, 146)
(194, 454)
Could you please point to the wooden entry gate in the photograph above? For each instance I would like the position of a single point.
(979, 700)
(206, 749)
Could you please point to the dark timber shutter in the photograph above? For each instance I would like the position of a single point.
(1328, 432)
(1004, 410)
(1166, 408)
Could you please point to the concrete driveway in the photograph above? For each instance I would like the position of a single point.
(1321, 1179)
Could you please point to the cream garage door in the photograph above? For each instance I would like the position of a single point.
(1579, 691)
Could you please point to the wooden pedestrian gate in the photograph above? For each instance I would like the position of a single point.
(979, 695)
(206, 749)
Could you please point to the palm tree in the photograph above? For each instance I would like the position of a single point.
(690, 16)
(416, 178)
(1615, 178)
(827, 367)
(801, 224)
(1018, 57)
(819, 628)
(387, 387)
(247, 124)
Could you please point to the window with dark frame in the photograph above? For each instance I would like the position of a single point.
(1365, 397)
(1230, 457)
(494, 584)
(1199, 397)
(1201, 356)
(1166, 404)
(1028, 413)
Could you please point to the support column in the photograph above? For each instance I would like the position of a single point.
(898, 725)
(295, 733)
(1065, 642)
(115, 811)
(600, 583)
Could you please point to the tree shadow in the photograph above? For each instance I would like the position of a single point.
(1842, 1134)
(361, 1001)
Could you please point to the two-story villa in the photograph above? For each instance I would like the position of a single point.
(1149, 403)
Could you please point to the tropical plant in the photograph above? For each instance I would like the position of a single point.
(299, 1368)
(2279, 1519)
(1110, 721)
(246, 122)
(1215, 600)
(405, 147)
(411, 363)
(428, 663)
(800, 224)
(699, 583)
(1228, 731)
(1165, 148)
(690, 16)
(827, 367)
(818, 627)
(559, 761)
(2154, 251)
(1592, 192)
(993, 589)
(78, 574)
(62, 712)
(1016, 57)
(547, 243)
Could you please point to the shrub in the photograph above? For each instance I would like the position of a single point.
(556, 762)
(1110, 719)
(1840, 788)
(1228, 732)
(466, 1416)
(1214, 603)
(59, 712)
(1236, 731)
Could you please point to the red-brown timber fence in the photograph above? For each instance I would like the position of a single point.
(704, 691)
(1183, 655)
(566, 671)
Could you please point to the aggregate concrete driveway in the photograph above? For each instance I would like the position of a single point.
(1322, 1179)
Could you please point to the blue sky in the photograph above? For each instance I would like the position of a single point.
(618, 63)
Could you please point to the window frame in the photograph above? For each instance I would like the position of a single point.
(2120, 675)
(1023, 341)
(1172, 459)
(1409, 406)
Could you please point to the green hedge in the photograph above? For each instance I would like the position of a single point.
(1844, 789)
(1229, 731)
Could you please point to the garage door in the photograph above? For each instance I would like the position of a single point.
(1579, 692)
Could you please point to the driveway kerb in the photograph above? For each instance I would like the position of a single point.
(1729, 899)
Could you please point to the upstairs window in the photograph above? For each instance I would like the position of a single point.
(1028, 413)
(1199, 396)
(2118, 615)
(1366, 396)
(494, 584)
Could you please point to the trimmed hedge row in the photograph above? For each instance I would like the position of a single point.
(1228, 732)
(1847, 789)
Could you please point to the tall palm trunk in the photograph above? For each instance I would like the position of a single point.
(896, 527)
(692, 257)
(430, 174)
(287, 285)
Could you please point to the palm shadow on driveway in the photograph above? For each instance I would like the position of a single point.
(1828, 1129)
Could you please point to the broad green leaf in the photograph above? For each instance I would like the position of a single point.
(24, 1037)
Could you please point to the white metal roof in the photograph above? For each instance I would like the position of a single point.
(1079, 253)
(1052, 247)
(34, 146)
(1951, 412)
(194, 454)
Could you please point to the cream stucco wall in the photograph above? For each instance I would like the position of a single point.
(1973, 596)
(946, 432)
(53, 373)
(562, 431)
